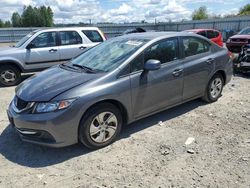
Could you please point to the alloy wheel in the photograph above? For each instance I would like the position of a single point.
(216, 87)
(8, 76)
(103, 127)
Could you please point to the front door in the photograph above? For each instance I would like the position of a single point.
(155, 90)
(43, 51)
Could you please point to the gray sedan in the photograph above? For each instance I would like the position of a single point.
(115, 83)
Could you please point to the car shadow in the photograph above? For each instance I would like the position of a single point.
(25, 154)
(243, 75)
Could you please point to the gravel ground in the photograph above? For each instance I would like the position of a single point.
(6, 44)
(149, 153)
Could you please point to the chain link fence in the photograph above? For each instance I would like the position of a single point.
(228, 27)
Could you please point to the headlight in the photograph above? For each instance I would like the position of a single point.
(53, 106)
(228, 40)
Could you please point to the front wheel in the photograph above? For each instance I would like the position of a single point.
(214, 88)
(9, 75)
(100, 126)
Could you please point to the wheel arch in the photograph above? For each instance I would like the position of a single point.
(114, 102)
(223, 74)
(12, 63)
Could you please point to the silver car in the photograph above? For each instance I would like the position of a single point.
(115, 83)
(44, 48)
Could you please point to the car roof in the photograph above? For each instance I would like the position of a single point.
(155, 35)
(198, 30)
(66, 28)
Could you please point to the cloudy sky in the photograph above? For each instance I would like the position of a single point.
(74, 11)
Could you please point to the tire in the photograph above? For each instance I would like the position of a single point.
(214, 88)
(9, 75)
(93, 132)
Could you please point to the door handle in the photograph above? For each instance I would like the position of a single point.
(210, 61)
(177, 72)
(52, 50)
(81, 48)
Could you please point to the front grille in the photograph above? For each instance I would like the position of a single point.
(239, 40)
(21, 104)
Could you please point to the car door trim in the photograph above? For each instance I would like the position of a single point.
(42, 62)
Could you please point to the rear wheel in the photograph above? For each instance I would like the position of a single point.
(214, 88)
(100, 126)
(9, 75)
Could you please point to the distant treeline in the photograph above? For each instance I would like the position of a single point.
(31, 17)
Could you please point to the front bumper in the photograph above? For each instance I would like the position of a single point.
(55, 129)
(242, 67)
(235, 47)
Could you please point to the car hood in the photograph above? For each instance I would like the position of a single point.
(240, 37)
(48, 84)
(6, 50)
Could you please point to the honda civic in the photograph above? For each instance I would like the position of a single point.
(115, 83)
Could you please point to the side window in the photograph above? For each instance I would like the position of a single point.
(43, 40)
(137, 63)
(70, 37)
(93, 35)
(216, 34)
(164, 51)
(194, 46)
(202, 33)
(210, 34)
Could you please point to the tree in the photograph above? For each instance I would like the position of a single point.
(28, 16)
(16, 20)
(37, 17)
(7, 24)
(200, 13)
(245, 10)
(1, 23)
(50, 15)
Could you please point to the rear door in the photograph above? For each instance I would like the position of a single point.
(43, 52)
(70, 44)
(198, 65)
(154, 90)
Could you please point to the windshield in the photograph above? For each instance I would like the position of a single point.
(245, 31)
(24, 39)
(108, 55)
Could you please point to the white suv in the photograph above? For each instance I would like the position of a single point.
(44, 48)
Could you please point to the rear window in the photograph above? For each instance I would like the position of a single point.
(216, 33)
(194, 46)
(93, 35)
(202, 33)
(210, 34)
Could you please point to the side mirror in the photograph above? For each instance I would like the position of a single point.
(29, 46)
(152, 64)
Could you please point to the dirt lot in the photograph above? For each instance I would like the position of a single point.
(148, 153)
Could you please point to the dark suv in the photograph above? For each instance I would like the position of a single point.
(235, 43)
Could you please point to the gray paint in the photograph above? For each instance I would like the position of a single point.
(141, 93)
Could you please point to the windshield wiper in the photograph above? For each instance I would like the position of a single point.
(85, 68)
(68, 66)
